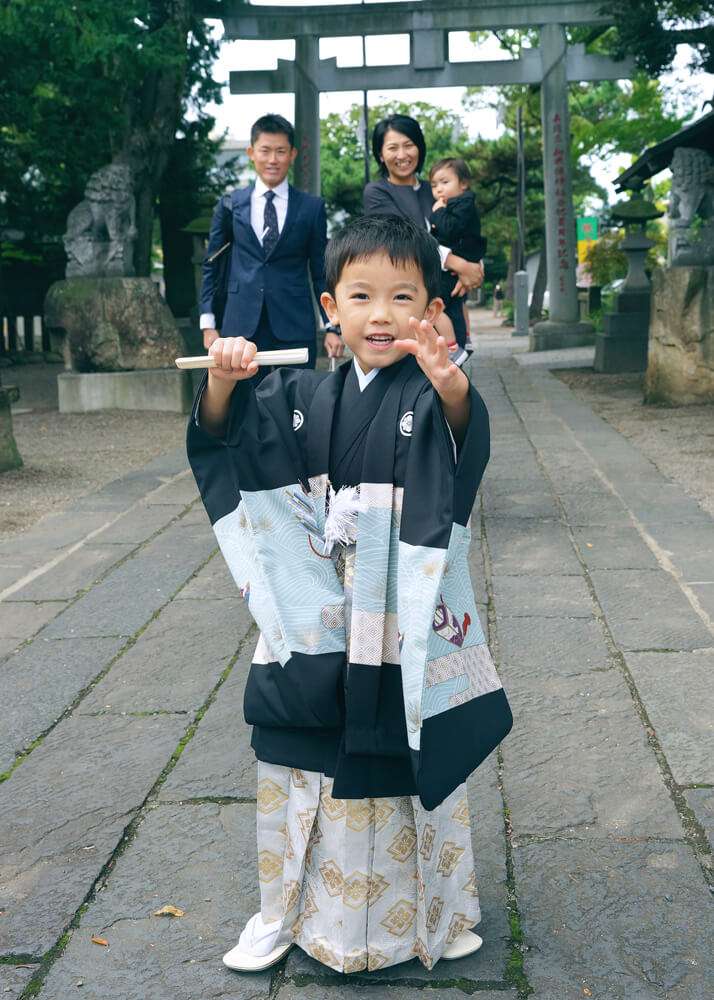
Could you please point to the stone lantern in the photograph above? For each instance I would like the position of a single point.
(622, 346)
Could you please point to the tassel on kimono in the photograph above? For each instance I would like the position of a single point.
(341, 521)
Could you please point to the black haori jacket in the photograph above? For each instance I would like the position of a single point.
(417, 704)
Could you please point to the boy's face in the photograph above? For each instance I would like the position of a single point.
(445, 184)
(373, 301)
(272, 155)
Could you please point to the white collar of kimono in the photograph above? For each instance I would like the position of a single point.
(362, 379)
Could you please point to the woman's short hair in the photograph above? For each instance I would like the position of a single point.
(409, 127)
(455, 163)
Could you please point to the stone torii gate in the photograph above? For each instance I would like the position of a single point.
(428, 22)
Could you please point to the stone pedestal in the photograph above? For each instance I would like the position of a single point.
(551, 335)
(680, 364)
(9, 455)
(167, 391)
(520, 301)
(622, 347)
(112, 324)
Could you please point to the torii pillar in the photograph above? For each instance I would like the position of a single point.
(307, 113)
(563, 327)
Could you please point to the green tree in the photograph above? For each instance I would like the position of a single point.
(83, 84)
(651, 30)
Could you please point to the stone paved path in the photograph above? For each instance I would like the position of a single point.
(129, 783)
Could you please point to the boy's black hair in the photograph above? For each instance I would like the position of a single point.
(273, 124)
(455, 163)
(400, 239)
(407, 126)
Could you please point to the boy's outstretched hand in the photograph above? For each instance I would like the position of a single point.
(235, 360)
(234, 357)
(449, 381)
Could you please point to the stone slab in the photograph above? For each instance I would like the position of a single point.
(567, 357)
(219, 760)
(182, 490)
(138, 524)
(614, 547)
(14, 979)
(596, 509)
(648, 610)
(8, 646)
(367, 989)
(577, 762)
(62, 814)
(128, 597)
(176, 661)
(77, 572)
(627, 921)
(201, 858)
(551, 597)
(504, 499)
(538, 647)
(520, 546)
(22, 619)
(165, 390)
(677, 690)
(40, 681)
(212, 581)
(486, 966)
(53, 532)
(689, 546)
(701, 801)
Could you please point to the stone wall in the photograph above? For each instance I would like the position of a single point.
(680, 364)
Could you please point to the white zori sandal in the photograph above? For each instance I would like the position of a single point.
(465, 944)
(256, 948)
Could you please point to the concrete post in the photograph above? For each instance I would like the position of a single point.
(563, 327)
(307, 114)
(9, 455)
(520, 303)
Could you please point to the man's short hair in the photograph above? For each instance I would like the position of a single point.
(274, 125)
(398, 238)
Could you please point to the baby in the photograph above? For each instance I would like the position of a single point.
(456, 224)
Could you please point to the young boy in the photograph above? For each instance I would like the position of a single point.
(455, 223)
(341, 503)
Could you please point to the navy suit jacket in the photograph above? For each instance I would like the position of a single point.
(279, 281)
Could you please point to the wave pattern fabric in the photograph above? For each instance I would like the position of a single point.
(400, 676)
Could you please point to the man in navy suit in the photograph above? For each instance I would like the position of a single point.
(276, 233)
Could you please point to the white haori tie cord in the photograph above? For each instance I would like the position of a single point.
(258, 939)
(341, 521)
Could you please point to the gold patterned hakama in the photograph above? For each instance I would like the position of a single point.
(362, 883)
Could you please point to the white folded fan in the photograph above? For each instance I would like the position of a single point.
(289, 356)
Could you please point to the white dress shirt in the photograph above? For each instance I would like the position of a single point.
(207, 321)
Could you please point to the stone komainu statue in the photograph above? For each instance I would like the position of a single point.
(101, 230)
(691, 208)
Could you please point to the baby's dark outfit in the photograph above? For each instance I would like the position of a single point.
(458, 226)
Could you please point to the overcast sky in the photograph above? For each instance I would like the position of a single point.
(238, 111)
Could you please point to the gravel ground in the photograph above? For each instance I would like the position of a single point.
(679, 440)
(67, 455)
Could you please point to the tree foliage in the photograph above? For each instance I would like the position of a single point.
(651, 30)
(83, 83)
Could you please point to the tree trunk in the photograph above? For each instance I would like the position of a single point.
(512, 268)
(536, 308)
(154, 118)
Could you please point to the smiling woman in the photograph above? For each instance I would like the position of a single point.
(399, 148)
